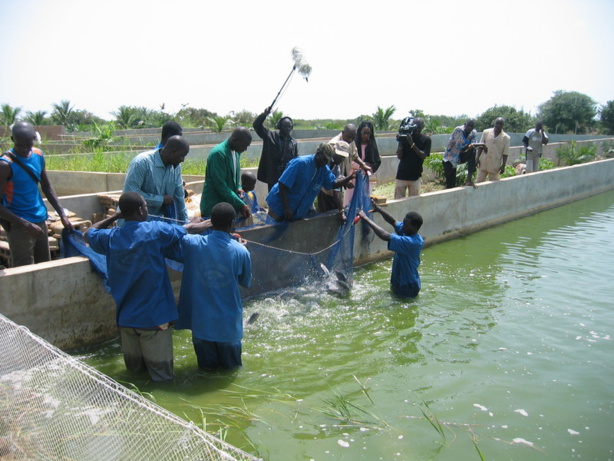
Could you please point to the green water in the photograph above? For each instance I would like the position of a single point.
(508, 348)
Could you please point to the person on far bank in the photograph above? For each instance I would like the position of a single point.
(461, 149)
(496, 149)
(411, 154)
(23, 213)
(215, 265)
(140, 284)
(278, 148)
(223, 174)
(406, 244)
(156, 175)
(533, 141)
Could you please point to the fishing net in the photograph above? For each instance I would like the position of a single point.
(318, 250)
(53, 406)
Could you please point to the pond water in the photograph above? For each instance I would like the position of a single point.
(507, 352)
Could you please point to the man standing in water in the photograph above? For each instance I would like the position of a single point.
(140, 284)
(278, 148)
(22, 211)
(215, 265)
(407, 245)
(533, 141)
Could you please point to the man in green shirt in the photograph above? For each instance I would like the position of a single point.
(223, 174)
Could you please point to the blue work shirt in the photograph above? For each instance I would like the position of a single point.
(304, 180)
(148, 176)
(405, 280)
(214, 266)
(138, 277)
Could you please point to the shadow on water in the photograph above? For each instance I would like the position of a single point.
(507, 348)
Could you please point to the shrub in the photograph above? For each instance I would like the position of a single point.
(573, 154)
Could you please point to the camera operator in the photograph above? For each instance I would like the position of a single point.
(413, 148)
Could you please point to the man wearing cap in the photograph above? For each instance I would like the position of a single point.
(293, 195)
(348, 135)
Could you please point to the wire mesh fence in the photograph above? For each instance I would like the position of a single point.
(54, 407)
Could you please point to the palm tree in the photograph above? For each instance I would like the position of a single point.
(61, 113)
(218, 123)
(36, 118)
(276, 116)
(126, 116)
(381, 117)
(9, 115)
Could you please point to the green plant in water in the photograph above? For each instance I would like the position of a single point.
(433, 420)
(474, 440)
(574, 154)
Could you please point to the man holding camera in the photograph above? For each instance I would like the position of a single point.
(413, 148)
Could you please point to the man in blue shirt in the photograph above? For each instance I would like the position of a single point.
(406, 244)
(140, 283)
(22, 211)
(156, 175)
(292, 197)
(210, 305)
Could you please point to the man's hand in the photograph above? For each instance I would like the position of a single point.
(245, 211)
(168, 200)
(366, 168)
(66, 223)
(288, 214)
(376, 206)
(502, 169)
(32, 229)
(342, 216)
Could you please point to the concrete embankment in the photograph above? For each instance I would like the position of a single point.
(65, 303)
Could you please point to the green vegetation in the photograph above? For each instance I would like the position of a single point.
(516, 121)
(568, 112)
(574, 154)
(9, 115)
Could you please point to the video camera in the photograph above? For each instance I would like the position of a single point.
(406, 128)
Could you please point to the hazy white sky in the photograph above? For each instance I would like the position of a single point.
(441, 56)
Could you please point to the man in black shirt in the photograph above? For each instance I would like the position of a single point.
(278, 148)
(411, 153)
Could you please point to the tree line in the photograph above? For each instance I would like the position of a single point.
(565, 112)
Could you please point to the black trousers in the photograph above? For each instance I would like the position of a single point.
(466, 156)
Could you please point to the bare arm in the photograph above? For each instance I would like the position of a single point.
(387, 216)
(283, 191)
(49, 192)
(380, 232)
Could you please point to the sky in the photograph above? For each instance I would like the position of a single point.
(440, 56)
